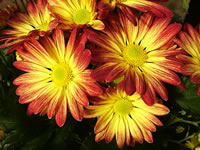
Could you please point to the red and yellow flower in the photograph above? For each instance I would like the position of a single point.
(128, 7)
(126, 117)
(143, 54)
(189, 41)
(56, 76)
(76, 13)
(37, 22)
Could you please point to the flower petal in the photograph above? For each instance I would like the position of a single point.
(98, 25)
(61, 114)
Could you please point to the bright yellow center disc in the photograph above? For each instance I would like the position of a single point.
(134, 55)
(61, 74)
(82, 16)
(123, 107)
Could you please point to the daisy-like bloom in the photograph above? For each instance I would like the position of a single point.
(76, 13)
(37, 22)
(126, 117)
(144, 55)
(194, 142)
(128, 7)
(56, 76)
(189, 41)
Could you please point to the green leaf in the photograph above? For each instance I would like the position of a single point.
(185, 5)
(189, 99)
(38, 142)
(192, 104)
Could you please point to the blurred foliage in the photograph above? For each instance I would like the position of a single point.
(179, 8)
(185, 5)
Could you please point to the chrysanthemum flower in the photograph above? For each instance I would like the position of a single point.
(36, 23)
(56, 76)
(128, 6)
(189, 41)
(126, 117)
(76, 13)
(194, 142)
(144, 55)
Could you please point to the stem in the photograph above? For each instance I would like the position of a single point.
(180, 142)
(2, 91)
(194, 123)
(186, 138)
(5, 61)
(177, 142)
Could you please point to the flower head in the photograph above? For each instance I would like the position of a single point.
(144, 55)
(76, 13)
(56, 76)
(189, 41)
(37, 22)
(128, 7)
(126, 117)
(194, 142)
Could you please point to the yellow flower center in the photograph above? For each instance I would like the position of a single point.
(43, 27)
(61, 74)
(134, 55)
(82, 16)
(123, 107)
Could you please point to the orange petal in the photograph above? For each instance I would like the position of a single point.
(84, 60)
(140, 82)
(61, 114)
(74, 107)
(59, 41)
(101, 72)
(134, 130)
(78, 94)
(53, 103)
(98, 25)
(144, 5)
(130, 87)
(111, 129)
(116, 72)
(103, 121)
(71, 44)
(120, 135)
(195, 77)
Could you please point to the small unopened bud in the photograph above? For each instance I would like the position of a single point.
(1, 134)
(18, 57)
(180, 129)
(1, 77)
(182, 112)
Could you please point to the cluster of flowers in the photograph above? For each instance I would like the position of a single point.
(72, 50)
